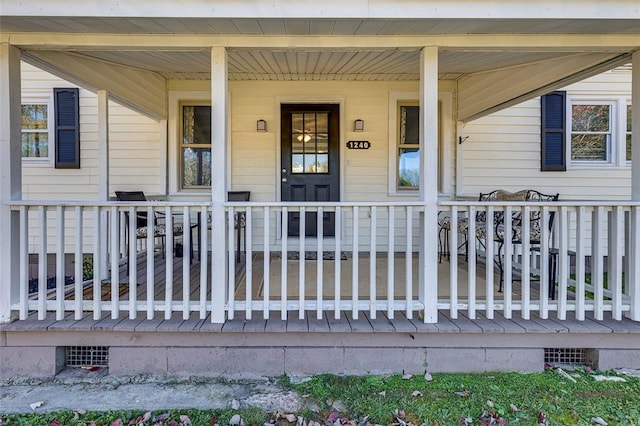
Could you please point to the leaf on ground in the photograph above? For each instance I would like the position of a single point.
(601, 378)
(416, 393)
(490, 403)
(463, 394)
(513, 407)
(564, 374)
(185, 419)
(117, 422)
(161, 417)
(235, 419)
(333, 416)
(36, 404)
(146, 417)
(383, 393)
(55, 423)
(235, 404)
(428, 377)
(599, 420)
(407, 376)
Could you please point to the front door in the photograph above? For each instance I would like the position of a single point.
(310, 161)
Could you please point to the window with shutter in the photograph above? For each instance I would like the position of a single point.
(553, 131)
(67, 128)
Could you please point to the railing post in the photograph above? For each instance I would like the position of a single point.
(634, 268)
(10, 178)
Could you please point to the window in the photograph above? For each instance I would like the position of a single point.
(628, 141)
(408, 151)
(35, 130)
(591, 129)
(195, 146)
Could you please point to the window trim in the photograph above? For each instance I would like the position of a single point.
(41, 100)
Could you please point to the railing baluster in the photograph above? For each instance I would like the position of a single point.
(168, 296)
(563, 264)
(337, 265)
(283, 264)
(525, 279)
(133, 277)
(203, 251)
(355, 260)
(266, 259)
(372, 262)
(248, 262)
(151, 279)
(302, 261)
(60, 279)
(581, 215)
(597, 262)
(391, 262)
(42, 263)
(231, 262)
(615, 254)
(79, 263)
(507, 263)
(634, 268)
(489, 262)
(320, 263)
(186, 262)
(408, 264)
(472, 260)
(97, 263)
(114, 253)
(452, 240)
(24, 262)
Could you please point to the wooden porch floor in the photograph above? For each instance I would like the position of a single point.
(327, 324)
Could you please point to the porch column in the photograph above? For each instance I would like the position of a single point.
(10, 177)
(219, 95)
(634, 267)
(428, 275)
(103, 178)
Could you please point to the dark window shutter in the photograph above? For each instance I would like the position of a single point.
(553, 131)
(67, 126)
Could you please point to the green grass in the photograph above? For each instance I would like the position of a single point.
(563, 402)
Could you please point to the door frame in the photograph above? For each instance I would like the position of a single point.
(340, 100)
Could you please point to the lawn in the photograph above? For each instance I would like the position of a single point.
(438, 399)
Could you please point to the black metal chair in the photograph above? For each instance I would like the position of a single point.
(157, 226)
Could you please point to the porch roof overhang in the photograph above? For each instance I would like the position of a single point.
(497, 56)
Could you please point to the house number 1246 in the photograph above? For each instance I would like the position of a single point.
(358, 144)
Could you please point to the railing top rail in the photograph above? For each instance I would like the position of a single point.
(88, 203)
(313, 204)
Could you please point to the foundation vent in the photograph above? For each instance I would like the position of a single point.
(87, 356)
(565, 356)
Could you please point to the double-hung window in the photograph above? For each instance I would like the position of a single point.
(591, 132)
(195, 146)
(36, 129)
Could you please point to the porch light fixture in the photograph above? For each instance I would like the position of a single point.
(261, 126)
(358, 125)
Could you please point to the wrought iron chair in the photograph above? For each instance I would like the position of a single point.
(158, 226)
(239, 222)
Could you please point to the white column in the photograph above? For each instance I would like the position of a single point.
(428, 276)
(10, 177)
(103, 176)
(219, 95)
(634, 264)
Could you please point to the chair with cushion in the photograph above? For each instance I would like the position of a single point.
(142, 221)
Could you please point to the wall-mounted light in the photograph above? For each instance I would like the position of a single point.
(358, 125)
(261, 125)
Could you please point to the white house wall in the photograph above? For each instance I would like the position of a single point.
(502, 150)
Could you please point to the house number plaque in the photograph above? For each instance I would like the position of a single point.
(358, 144)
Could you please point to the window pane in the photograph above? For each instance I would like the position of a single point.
(297, 163)
(196, 167)
(628, 118)
(34, 116)
(589, 147)
(196, 125)
(408, 167)
(628, 132)
(35, 145)
(590, 118)
(628, 147)
(409, 125)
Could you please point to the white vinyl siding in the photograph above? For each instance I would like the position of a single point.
(503, 150)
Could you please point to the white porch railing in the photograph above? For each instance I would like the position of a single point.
(370, 263)
(589, 261)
